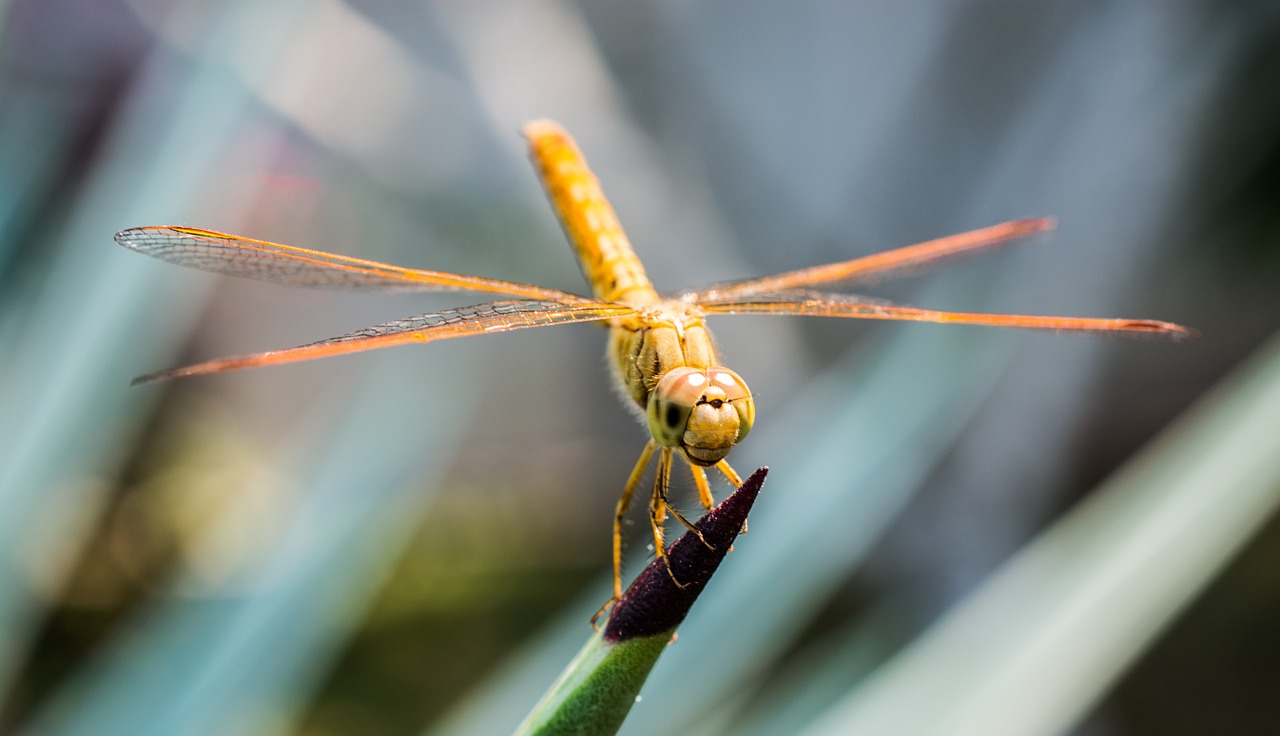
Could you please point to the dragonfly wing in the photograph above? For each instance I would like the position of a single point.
(879, 265)
(501, 316)
(232, 255)
(813, 304)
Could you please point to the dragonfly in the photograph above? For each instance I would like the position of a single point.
(660, 349)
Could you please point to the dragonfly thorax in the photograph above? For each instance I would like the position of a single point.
(701, 412)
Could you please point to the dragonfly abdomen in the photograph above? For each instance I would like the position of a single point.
(603, 250)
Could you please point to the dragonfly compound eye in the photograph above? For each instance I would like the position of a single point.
(671, 402)
(702, 412)
(737, 395)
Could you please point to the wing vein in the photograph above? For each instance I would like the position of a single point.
(879, 265)
(232, 255)
(814, 304)
(501, 316)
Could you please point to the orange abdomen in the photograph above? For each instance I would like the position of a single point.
(603, 251)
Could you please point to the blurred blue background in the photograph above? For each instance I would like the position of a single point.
(963, 531)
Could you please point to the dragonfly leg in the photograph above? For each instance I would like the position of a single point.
(687, 524)
(620, 512)
(704, 490)
(658, 507)
(735, 480)
(704, 495)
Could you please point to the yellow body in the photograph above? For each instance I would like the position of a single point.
(661, 335)
(662, 354)
(603, 250)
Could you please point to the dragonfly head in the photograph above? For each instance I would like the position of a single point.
(703, 412)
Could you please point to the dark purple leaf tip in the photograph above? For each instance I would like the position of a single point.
(654, 603)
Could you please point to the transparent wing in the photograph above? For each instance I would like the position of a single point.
(501, 316)
(232, 255)
(813, 304)
(878, 265)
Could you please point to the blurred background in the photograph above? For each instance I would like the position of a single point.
(963, 530)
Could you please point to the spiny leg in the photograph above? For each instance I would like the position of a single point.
(620, 512)
(681, 518)
(704, 489)
(704, 495)
(658, 510)
(735, 480)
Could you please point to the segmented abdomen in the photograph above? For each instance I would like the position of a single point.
(602, 248)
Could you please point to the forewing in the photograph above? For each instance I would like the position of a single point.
(501, 316)
(878, 265)
(813, 304)
(232, 255)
